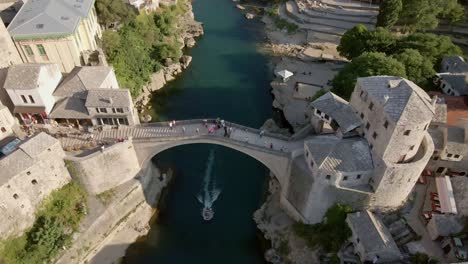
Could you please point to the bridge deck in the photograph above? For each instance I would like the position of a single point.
(183, 129)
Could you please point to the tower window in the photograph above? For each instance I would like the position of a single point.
(24, 99)
(360, 95)
(31, 99)
(449, 155)
(28, 173)
(345, 178)
(456, 156)
(3, 130)
(358, 176)
(362, 115)
(371, 146)
(374, 135)
(385, 124)
(16, 196)
(367, 126)
(371, 105)
(34, 182)
(28, 50)
(328, 177)
(407, 132)
(411, 148)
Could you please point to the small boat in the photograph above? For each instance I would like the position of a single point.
(207, 213)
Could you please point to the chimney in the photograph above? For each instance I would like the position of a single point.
(386, 97)
(110, 100)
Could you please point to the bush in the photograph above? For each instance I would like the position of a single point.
(331, 233)
(57, 219)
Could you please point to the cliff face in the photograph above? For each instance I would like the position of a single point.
(188, 30)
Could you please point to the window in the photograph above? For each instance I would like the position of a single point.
(411, 148)
(327, 117)
(371, 105)
(436, 158)
(312, 163)
(102, 110)
(318, 112)
(449, 155)
(34, 182)
(357, 240)
(456, 156)
(443, 85)
(367, 126)
(371, 146)
(41, 49)
(3, 130)
(307, 153)
(114, 111)
(407, 132)
(328, 177)
(28, 50)
(120, 110)
(97, 110)
(28, 173)
(374, 135)
(385, 124)
(362, 115)
(16, 196)
(360, 95)
(24, 99)
(440, 169)
(345, 178)
(31, 99)
(358, 176)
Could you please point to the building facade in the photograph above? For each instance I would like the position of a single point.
(29, 175)
(8, 53)
(7, 121)
(47, 31)
(30, 88)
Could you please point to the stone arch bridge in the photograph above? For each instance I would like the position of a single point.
(274, 151)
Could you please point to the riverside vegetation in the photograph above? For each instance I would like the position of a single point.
(57, 219)
(142, 44)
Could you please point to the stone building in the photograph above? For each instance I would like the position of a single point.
(29, 175)
(55, 31)
(7, 121)
(371, 239)
(396, 114)
(453, 76)
(376, 148)
(111, 107)
(8, 53)
(30, 88)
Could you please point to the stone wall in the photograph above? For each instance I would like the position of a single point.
(22, 194)
(108, 167)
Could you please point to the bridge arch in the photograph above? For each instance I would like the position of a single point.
(277, 162)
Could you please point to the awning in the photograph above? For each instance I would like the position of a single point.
(446, 197)
(285, 74)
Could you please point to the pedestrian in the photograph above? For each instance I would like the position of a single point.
(170, 125)
(246, 139)
(173, 123)
(261, 133)
(225, 132)
(205, 122)
(183, 129)
(271, 145)
(198, 130)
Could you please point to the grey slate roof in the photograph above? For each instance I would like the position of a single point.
(372, 233)
(446, 224)
(438, 137)
(338, 109)
(456, 140)
(400, 98)
(458, 81)
(27, 76)
(342, 155)
(455, 64)
(47, 18)
(70, 108)
(108, 98)
(22, 158)
(82, 79)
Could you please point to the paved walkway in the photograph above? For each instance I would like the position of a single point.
(182, 130)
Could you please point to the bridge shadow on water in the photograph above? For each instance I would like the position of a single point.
(179, 234)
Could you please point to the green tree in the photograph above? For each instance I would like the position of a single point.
(430, 46)
(419, 14)
(420, 258)
(111, 11)
(418, 68)
(353, 42)
(452, 11)
(380, 40)
(389, 13)
(368, 64)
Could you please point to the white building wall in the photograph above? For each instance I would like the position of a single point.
(7, 121)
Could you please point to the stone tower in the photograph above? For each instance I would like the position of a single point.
(395, 115)
(8, 53)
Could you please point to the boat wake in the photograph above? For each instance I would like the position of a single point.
(209, 192)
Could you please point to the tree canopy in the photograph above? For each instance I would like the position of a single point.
(111, 11)
(417, 67)
(352, 44)
(367, 64)
(389, 13)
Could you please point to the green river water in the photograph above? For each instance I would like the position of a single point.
(229, 79)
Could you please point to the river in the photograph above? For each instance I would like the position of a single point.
(228, 78)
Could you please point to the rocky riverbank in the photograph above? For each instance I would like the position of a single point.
(277, 227)
(188, 30)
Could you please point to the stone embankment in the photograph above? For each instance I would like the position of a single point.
(189, 31)
(277, 227)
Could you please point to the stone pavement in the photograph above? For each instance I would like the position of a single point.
(182, 130)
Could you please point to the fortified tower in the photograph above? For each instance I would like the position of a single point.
(395, 116)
